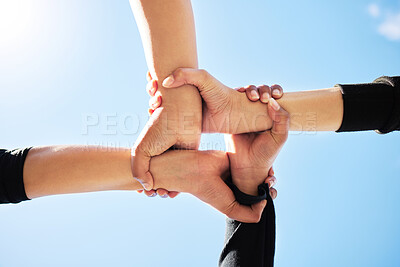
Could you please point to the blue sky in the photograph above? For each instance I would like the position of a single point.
(64, 63)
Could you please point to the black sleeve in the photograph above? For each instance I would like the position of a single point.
(250, 244)
(12, 188)
(371, 106)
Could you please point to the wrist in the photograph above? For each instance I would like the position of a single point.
(251, 116)
(183, 109)
(134, 184)
(247, 180)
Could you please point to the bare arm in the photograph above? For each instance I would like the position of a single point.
(168, 34)
(314, 110)
(57, 170)
(75, 169)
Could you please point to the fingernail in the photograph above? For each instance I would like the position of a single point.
(265, 97)
(253, 94)
(153, 195)
(164, 196)
(168, 81)
(271, 183)
(276, 92)
(274, 104)
(146, 186)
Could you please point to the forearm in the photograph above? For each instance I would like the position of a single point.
(169, 40)
(75, 169)
(315, 110)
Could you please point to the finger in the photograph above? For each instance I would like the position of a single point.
(265, 93)
(162, 193)
(151, 142)
(240, 89)
(155, 102)
(280, 118)
(252, 93)
(150, 193)
(247, 214)
(182, 76)
(152, 87)
(173, 194)
(271, 171)
(277, 91)
(271, 181)
(220, 196)
(148, 76)
(273, 193)
(141, 169)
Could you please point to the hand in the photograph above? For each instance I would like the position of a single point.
(262, 92)
(170, 126)
(254, 153)
(224, 110)
(271, 181)
(202, 174)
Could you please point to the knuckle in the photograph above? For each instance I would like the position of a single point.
(203, 73)
(253, 87)
(178, 73)
(256, 218)
(264, 87)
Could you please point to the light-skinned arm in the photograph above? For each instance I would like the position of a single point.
(55, 170)
(168, 35)
(314, 110)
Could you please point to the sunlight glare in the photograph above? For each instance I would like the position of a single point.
(15, 21)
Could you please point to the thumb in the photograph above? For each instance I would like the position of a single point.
(280, 122)
(140, 165)
(182, 76)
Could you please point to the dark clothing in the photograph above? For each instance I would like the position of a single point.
(250, 244)
(12, 188)
(374, 106)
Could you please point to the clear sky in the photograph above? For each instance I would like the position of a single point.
(68, 62)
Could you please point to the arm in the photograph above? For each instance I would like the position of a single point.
(168, 36)
(251, 244)
(251, 158)
(318, 110)
(57, 170)
(169, 40)
(341, 108)
(43, 171)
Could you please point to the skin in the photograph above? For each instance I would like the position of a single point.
(224, 110)
(315, 110)
(251, 154)
(178, 123)
(75, 169)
